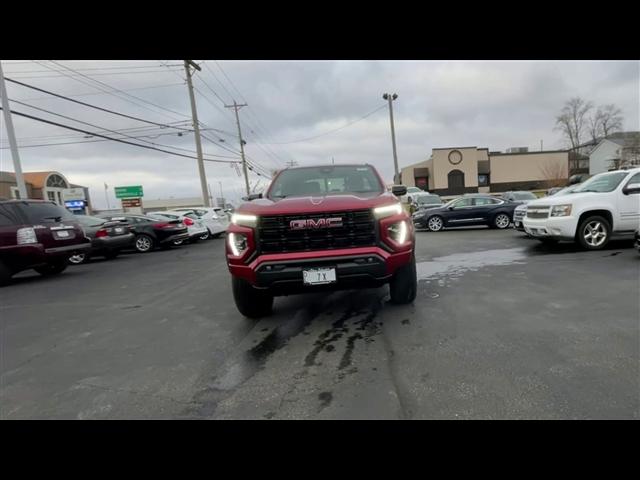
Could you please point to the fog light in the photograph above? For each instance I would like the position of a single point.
(398, 232)
(237, 243)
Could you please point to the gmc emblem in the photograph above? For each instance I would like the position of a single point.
(320, 223)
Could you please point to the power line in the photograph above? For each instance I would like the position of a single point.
(99, 127)
(93, 106)
(128, 67)
(331, 131)
(113, 90)
(38, 119)
(104, 93)
(20, 74)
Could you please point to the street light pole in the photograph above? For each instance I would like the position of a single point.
(13, 144)
(390, 99)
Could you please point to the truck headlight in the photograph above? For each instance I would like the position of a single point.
(244, 219)
(398, 232)
(387, 210)
(561, 210)
(26, 235)
(237, 243)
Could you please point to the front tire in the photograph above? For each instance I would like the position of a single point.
(435, 223)
(78, 259)
(250, 301)
(404, 284)
(5, 274)
(501, 221)
(52, 268)
(594, 233)
(144, 243)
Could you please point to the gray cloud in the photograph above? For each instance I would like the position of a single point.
(493, 104)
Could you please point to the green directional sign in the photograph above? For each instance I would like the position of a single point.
(134, 191)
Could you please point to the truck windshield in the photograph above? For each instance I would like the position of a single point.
(329, 180)
(605, 182)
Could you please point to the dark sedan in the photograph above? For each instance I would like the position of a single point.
(107, 238)
(474, 209)
(637, 236)
(151, 232)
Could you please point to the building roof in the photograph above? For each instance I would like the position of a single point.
(624, 138)
(36, 179)
(493, 154)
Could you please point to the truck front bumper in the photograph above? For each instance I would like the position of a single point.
(355, 268)
(556, 228)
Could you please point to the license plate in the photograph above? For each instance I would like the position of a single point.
(319, 276)
(62, 234)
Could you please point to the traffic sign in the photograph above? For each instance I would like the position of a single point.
(134, 191)
(131, 202)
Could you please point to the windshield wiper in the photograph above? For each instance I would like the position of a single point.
(55, 219)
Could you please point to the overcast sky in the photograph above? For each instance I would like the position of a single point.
(440, 104)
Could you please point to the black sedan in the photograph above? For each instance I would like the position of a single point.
(107, 238)
(473, 209)
(637, 235)
(151, 232)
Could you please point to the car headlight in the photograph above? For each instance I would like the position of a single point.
(398, 232)
(387, 210)
(244, 219)
(237, 243)
(561, 210)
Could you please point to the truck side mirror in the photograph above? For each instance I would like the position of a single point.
(631, 188)
(399, 190)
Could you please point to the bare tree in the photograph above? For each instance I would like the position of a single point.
(595, 124)
(555, 173)
(572, 120)
(610, 119)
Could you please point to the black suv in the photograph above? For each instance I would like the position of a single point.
(37, 234)
(151, 232)
(471, 209)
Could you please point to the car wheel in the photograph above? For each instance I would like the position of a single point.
(78, 259)
(435, 224)
(404, 284)
(143, 243)
(5, 274)
(594, 233)
(52, 268)
(177, 243)
(501, 221)
(205, 236)
(251, 302)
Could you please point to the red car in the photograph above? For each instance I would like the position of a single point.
(320, 228)
(37, 234)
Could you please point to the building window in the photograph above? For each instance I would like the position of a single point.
(483, 180)
(421, 182)
(455, 182)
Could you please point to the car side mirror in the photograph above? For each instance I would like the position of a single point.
(631, 188)
(399, 190)
(451, 207)
(254, 196)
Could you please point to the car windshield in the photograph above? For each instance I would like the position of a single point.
(89, 221)
(429, 200)
(524, 196)
(44, 212)
(605, 182)
(336, 180)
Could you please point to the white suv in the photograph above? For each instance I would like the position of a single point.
(602, 207)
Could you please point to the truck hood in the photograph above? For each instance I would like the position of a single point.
(562, 199)
(315, 204)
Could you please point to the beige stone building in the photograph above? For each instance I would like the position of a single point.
(458, 170)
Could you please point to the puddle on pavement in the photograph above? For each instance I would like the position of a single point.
(453, 266)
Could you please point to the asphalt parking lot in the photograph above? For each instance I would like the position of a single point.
(503, 327)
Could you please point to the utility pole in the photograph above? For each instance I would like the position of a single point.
(237, 107)
(6, 109)
(196, 128)
(390, 99)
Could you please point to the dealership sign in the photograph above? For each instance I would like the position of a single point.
(134, 191)
(73, 194)
(131, 202)
(75, 204)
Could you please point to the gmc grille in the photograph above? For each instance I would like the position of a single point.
(276, 236)
(538, 212)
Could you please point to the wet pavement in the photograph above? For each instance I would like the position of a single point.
(503, 327)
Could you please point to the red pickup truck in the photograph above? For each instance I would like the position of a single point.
(320, 228)
(37, 234)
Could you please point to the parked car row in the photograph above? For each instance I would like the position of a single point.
(41, 235)
(591, 213)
